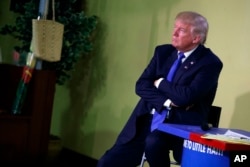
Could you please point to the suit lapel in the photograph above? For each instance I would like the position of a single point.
(169, 62)
(189, 63)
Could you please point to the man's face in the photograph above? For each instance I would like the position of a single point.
(182, 37)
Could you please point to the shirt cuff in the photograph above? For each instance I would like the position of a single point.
(157, 82)
(167, 104)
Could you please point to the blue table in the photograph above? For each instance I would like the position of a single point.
(200, 152)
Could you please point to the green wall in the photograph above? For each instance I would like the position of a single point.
(92, 108)
(6, 43)
(133, 28)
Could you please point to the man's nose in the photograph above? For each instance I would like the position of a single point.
(175, 33)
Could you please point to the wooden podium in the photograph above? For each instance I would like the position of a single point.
(25, 137)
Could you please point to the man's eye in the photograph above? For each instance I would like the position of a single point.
(182, 30)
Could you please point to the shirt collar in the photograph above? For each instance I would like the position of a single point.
(188, 53)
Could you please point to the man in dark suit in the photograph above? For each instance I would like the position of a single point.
(186, 98)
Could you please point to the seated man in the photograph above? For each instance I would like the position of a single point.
(183, 97)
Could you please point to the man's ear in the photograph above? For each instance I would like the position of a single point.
(197, 39)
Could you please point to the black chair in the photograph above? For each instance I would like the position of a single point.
(213, 119)
(214, 116)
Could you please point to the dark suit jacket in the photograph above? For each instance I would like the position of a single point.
(195, 83)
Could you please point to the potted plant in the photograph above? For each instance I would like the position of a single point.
(77, 38)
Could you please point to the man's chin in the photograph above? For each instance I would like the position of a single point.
(174, 42)
(174, 45)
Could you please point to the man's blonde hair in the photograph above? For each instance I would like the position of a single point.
(197, 21)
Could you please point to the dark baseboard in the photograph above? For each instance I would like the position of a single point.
(70, 158)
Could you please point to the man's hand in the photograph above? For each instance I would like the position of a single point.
(174, 105)
(187, 108)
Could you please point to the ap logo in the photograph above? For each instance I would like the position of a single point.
(240, 159)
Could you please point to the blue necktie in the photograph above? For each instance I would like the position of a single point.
(160, 117)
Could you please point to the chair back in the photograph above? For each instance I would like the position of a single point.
(214, 116)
